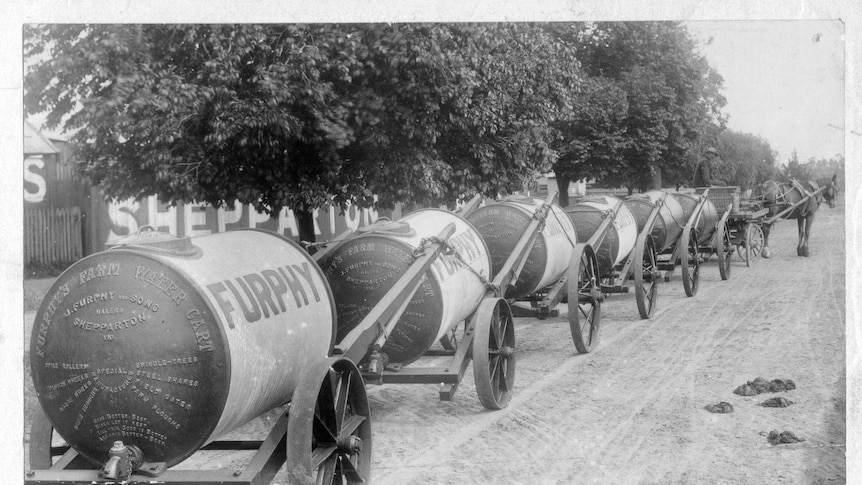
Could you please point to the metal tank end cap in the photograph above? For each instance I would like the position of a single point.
(150, 239)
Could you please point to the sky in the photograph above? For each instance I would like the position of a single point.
(783, 80)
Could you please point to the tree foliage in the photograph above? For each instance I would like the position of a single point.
(671, 99)
(814, 169)
(303, 115)
(746, 159)
(795, 169)
(825, 168)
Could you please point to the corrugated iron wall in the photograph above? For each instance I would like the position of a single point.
(52, 235)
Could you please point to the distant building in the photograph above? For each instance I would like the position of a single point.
(549, 180)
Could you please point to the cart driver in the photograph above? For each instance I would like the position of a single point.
(702, 172)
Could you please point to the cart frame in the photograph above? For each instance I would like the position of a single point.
(329, 408)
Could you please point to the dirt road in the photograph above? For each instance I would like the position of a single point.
(632, 411)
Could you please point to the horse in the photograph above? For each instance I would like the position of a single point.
(778, 196)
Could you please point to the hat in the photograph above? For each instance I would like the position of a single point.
(711, 150)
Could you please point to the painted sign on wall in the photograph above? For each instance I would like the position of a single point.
(35, 186)
(194, 219)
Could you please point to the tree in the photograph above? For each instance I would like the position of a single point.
(746, 159)
(591, 138)
(826, 168)
(796, 170)
(301, 116)
(672, 96)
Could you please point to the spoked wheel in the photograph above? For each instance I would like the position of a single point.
(753, 243)
(584, 298)
(452, 337)
(494, 353)
(724, 249)
(646, 275)
(689, 262)
(329, 426)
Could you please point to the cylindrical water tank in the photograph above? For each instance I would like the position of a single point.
(167, 343)
(363, 268)
(669, 223)
(708, 215)
(502, 224)
(587, 213)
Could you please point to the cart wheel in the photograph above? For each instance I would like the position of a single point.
(689, 262)
(452, 337)
(724, 250)
(754, 242)
(583, 288)
(494, 353)
(646, 276)
(329, 426)
(41, 434)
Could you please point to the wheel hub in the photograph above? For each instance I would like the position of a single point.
(349, 444)
(507, 351)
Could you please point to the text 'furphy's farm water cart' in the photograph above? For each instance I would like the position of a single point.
(145, 354)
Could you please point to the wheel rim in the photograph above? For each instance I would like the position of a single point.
(330, 411)
(723, 251)
(585, 319)
(494, 353)
(646, 277)
(754, 243)
(690, 264)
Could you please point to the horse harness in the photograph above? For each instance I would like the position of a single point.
(816, 194)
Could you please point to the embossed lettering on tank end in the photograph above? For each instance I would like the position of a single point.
(45, 324)
(162, 282)
(100, 270)
(202, 333)
(109, 327)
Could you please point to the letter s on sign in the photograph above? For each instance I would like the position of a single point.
(123, 221)
(34, 177)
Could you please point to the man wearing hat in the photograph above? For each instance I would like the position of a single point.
(702, 177)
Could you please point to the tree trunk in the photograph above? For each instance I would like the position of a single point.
(563, 189)
(305, 225)
(656, 177)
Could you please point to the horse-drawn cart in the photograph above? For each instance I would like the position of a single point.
(363, 269)
(552, 266)
(738, 227)
(675, 231)
(238, 337)
(745, 227)
(578, 273)
(624, 245)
